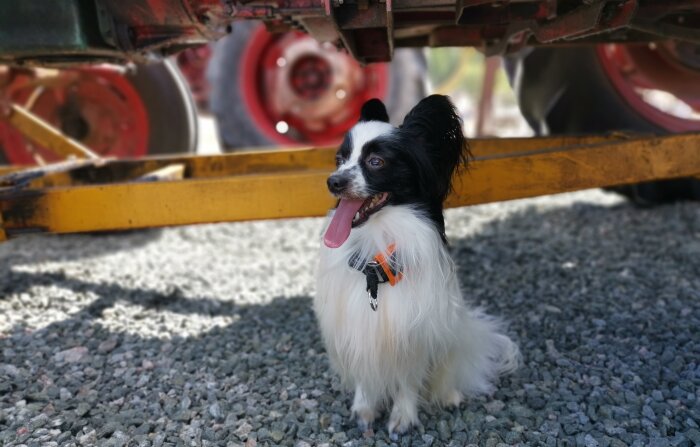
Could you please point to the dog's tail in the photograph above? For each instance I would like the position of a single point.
(486, 353)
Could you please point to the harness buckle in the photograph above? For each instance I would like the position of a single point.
(372, 273)
(374, 267)
(373, 301)
(380, 269)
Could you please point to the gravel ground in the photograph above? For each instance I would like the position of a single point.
(205, 335)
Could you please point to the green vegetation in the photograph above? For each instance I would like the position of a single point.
(461, 69)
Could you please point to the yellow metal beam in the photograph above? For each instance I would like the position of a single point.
(556, 171)
(284, 160)
(45, 134)
(303, 194)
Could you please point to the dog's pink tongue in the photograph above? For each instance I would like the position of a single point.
(339, 229)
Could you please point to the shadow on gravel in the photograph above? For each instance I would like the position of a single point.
(108, 294)
(72, 247)
(604, 302)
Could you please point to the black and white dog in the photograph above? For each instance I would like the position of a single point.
(389, 304)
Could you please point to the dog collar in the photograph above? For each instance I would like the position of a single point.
(382, 268)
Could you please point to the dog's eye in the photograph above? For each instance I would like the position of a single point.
(338, 160)
(375, 162)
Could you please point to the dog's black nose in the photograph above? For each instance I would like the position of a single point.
(337, 183)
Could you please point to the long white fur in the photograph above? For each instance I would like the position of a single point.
(424, 343)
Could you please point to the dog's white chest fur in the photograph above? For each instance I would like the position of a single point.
(369, 346)
(422, 337)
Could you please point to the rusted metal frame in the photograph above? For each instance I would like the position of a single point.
(426, 5)
(214, 166)
(334, 12)
(414, 22)
(303, 194)
(491, 37)
(543, 8)
(366, 29)
(147, 24)
(610, 20)
(585, 21)
(18, 179)
(268, 10)
(259, 162)
(576, 22)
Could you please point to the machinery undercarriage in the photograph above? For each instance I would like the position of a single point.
(136, 30)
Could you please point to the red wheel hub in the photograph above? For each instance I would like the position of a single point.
(310, 77)
(300, 91)
(97, 106)
(659, 81)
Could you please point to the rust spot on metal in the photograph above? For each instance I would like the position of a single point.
(19, 208)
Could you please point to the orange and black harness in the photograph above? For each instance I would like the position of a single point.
(383, 267)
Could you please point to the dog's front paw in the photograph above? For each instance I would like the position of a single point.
(451, 399)
(365, 417)
(363, 409)
(402, 419)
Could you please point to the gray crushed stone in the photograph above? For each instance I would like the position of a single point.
(205, 335)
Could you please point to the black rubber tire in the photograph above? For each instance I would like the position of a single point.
(236, 128)
(565, 91)
(171, 111)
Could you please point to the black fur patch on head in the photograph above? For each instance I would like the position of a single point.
(419, 158)
(345, 149)
(435, 125)
(374, 110)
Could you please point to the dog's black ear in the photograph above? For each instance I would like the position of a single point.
(374, 110)
(434, 125)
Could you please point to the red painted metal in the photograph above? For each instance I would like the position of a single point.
(636, 69)
(313, 89)
(97, 106)
(193, 66)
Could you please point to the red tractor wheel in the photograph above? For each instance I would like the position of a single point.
(636, 87)
(144, 111)
(269, 89)
(660, 81)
